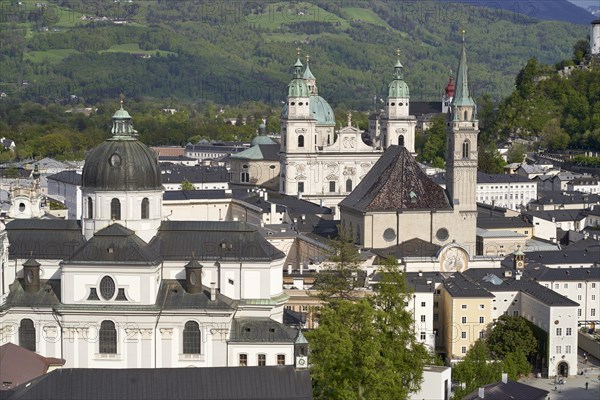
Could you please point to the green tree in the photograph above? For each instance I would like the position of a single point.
(366, 348)
(339, 278)
(516, 153)
(187, 185)
(581, 50)
(477, 368)
(434, 148)
(554, 137)
(511, 334)
(489, 159)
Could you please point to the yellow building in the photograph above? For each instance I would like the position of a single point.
(467, 310)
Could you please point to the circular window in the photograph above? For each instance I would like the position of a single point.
(107, 288)
(389, 234)
(393, 104)
(115, 160)
(245, 166)
(301, 104)
(400, 104)
(272, 167)
(442, 234)
(293, 103)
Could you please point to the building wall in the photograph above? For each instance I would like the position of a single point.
(437, 382)
(260, 173)
(584, 292)
(421, 307)
(509, 195)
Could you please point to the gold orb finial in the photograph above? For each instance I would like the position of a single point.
(121, 99)
(462, 32)
(307, 58)
(398, 53)
(298, 51)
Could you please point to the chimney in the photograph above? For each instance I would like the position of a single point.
(213, 291)
(481, 393)
(504, 377)
(266, 195)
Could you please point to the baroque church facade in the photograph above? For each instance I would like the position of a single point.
(126, 288)
(323, 164)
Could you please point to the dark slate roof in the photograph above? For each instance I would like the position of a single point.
(136, 168)
(225, 383)
(485, 221)
(261, 330)
(392, 181)
(115, 244)
(423, 282)
(493, 279)
(176, 158)
(509, 390)
(458, 286)
(176, 298)
(43, 238)
(20, 172)
(230, 241)
(557, 215)
(540, 272)
(47, 296)
(410, 248)
(197, 174)
(565, 256)
(501, 178)
(562, 197)
(69, 177)
(424, 107)
(293, 318)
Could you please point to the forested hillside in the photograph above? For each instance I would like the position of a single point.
(230, 52)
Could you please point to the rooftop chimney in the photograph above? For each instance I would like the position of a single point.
(213, 291)
(481, 393)
(504, 377)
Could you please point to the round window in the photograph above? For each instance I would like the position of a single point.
(301, 104)
(442, 234)
(293, 103)
(393, 104)
(107, 288)
(400, 104)
(115, 160)
(389, 235)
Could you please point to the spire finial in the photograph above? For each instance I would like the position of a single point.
(307, 59)
(121, 99)
(462, 32)
(298, 51)
(349, 118)
(398, 53)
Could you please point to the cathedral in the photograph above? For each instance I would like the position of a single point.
(397, 203)
(126, 288)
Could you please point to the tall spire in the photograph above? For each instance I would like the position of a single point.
(398, 68)
(462, 97)
(298, 66)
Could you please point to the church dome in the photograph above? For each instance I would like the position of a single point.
(298, 88)
(121, 163)
(261, 140)
(321, 111)
(398, 88)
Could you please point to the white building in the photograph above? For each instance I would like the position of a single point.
(65, 187)
(595, 37)
(585, 184)
(123, 288)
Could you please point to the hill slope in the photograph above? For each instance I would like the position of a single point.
(233, 52)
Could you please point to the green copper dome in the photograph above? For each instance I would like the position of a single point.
(321, 111)
(398, 88)
(298, 88)
(121, 114)
(261, 140)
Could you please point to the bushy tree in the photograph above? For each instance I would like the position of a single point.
(509, 335)
(516, 153)
(477, 368)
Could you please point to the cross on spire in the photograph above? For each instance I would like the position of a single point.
(398, 53)
(462, 32)
(298, 51)
(121, 99)
(307, 59)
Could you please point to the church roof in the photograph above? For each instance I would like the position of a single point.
(48, 295)
(228, 241)
(396, 182)
(43, 239)
(462, 97)
(261, 330)
(115, 244)
(267, 152)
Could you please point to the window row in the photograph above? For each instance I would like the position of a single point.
(115, 209)
(261, 360)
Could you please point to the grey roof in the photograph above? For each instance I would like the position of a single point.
(225, 383)
(121, 164)
(261, 330)
(43, 238)
(177, 298)
(540, 272)
(423, 282)
(557, 215)
(565, 256)
(229, 241)
(259, 152)
(509, 390)
(484, 233)
(174, 173)
(482, 277)
(175, 158)
(501, 178)
(70, 177)
(47, 296)
(485, 221)
(458, 286)
(424, 107)
(562, 197)
(115, 244)
(396, 182)
(411, 248)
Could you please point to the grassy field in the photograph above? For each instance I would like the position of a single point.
(134, 48)
(364, 15)
(278, 14)
(49, 56)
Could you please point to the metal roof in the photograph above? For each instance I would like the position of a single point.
(225, 383)
(509, 390)
(43, 239)
(261, 330)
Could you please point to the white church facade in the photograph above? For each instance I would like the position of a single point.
(124, 288)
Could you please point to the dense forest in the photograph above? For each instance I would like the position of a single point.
(234, 52)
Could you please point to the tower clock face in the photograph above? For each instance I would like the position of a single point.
(29, 276)
(519, 264)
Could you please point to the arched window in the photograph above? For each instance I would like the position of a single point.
(349, 185)
(245, 177)
(115, 209)
(27, 334)
(90, 208)
(465, 149)
(145, 208)
(328, 139)
(301, 141)
(191, 338)
(401, 140)
(466, 115)
(107, 338)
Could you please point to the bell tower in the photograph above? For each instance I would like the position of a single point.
(461, 143)
(398, 127)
